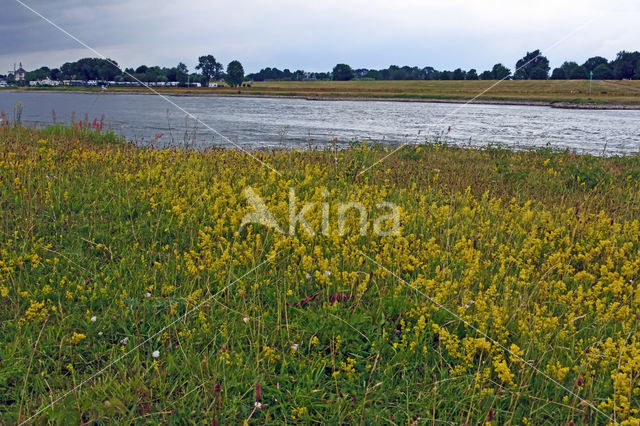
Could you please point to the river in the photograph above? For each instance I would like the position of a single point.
(280, 122)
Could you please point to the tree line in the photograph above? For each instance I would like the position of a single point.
(106, 70)
(532, 66)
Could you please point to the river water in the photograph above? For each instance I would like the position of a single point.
(278, 122)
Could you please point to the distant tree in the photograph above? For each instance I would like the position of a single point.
(500, 72)
(446, 75)
(558, 74)
(573, 71)
(54, 74)
(539, 73)
(39, 74)
(625, 64)
(342, 72)
(106, 71)
(429, 73)
(142, 69)
(89, 69)
(472, 74)
(373, 75)
(486, 75)
(360, 72)
(170, 73)
(153, 74)
(286, 75)
(178, 73)
(182, 68)
(235, 73)
(603, 72)
(531, 61)
(593, 62)
(412, 73)
(458, 74)
(209, 67)
(578, 73)
(397, 73)
(193, 78)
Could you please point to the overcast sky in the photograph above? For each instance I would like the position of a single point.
(315, 35)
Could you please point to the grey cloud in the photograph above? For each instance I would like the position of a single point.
(315, 35)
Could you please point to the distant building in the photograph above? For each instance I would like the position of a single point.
(20, 73)
(44, 82)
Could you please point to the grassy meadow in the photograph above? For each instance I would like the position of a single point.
(517, 91)
(509, 295)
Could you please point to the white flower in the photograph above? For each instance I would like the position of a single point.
(124, 341)
(155, 354)
(327, 273)
(100, 333)
(257, 404)
(147, 295)
(94, 318)
(294, 347)
(245, 319)
(308, 276)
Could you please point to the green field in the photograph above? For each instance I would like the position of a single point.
(129, 292)
(524, 91)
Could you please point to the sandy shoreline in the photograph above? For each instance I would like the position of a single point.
(564, 105)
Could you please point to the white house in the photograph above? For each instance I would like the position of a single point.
(45, 82)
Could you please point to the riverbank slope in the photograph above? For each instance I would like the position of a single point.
(555, 93)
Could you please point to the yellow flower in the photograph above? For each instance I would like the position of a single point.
(76, 338)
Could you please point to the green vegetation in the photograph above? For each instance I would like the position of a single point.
(131, 262)
(235, 73)
(533, 66)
